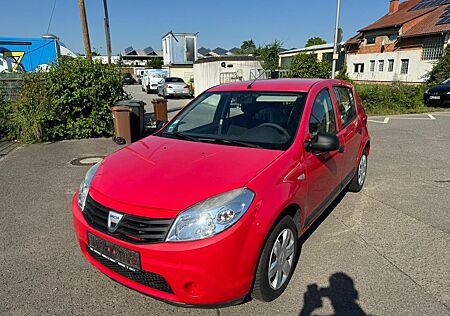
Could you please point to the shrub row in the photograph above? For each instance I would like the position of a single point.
(391, 99)
(69, 101)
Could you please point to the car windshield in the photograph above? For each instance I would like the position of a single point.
(446, 81)
(174, 80)
(248, 119)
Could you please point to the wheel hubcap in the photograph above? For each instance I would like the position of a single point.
(281, 259)
(362, 169)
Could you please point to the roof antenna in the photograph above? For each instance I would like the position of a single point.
(251, 83)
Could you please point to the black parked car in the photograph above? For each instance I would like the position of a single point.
(127, 78)
(438, 95)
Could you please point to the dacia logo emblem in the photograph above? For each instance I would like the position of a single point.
(113, 221)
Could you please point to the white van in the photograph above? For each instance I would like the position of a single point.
(151, 78)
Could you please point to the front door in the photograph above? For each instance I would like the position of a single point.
(323, 169)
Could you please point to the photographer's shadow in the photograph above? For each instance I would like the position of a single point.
(341, 293)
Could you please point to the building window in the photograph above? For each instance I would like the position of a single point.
(371, 39)
(433, 48)
(405, 67)
(381, 66)
(391, 65)
(372, 65)
(359, 68)
(393, 37)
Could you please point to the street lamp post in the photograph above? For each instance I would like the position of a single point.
(336, 39)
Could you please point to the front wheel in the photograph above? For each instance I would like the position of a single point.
(277, 262)
(361, 172)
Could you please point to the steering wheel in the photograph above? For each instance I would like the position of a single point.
(277, 127)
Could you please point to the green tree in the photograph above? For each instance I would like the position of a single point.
(269, 55)
(247, 48)
(155, 63)
(307, 66)
(441, 70)
(315, 41)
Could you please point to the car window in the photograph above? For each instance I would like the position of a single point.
(346, 102)
(204, 114)
(262, 119)
(323, 118)
(446, 81)
(174, 80)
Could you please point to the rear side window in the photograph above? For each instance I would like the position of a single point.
(323, 119)
(346, 102)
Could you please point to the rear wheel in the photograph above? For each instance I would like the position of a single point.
(361, 172)
(277, 262)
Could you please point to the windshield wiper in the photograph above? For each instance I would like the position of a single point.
(181, 136)
(228, 142)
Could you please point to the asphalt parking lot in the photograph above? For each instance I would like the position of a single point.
(384, 251)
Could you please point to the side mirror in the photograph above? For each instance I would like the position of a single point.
(324, 142)
(160, 125)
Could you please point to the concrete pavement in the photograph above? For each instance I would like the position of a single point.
(384, 251)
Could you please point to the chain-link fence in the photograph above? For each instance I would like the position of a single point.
(10, 86)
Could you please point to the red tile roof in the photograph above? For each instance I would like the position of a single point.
(427, 25)
(400, 17)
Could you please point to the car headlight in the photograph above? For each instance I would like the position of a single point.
(211, 216)
(85, 185)
(448, 92)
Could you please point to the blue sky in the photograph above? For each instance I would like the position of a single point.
(142, 23)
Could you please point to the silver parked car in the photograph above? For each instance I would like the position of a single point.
(173, 86)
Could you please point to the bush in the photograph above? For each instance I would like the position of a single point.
(391, 99)
(307, 66)
(70, 101)
(441, 70)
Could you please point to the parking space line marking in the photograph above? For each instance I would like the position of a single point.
(386, 120)
(431, 117)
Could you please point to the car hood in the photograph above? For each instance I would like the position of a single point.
(441, 89)
(169, 174)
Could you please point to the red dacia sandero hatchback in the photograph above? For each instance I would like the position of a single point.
(209, 210)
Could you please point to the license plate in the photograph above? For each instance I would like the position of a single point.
(121, 256)
(435, 97)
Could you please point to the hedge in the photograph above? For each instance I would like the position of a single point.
(381, 99)
(70, 101)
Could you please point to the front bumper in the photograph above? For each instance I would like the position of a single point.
(444, 100)
(216, 271)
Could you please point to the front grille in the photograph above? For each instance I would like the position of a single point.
(153, 280)
(133, 229)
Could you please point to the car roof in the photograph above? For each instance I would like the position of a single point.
(285, 85)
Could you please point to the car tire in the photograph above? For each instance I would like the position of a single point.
(267, 288)
(147, 90)
(359, 179)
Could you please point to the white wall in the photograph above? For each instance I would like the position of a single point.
(207, 74)
(418, 68)
(181, 72)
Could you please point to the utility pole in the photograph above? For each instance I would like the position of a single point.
(107, 33)
(336, 39)
(85, 29)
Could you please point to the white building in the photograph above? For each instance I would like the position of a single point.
(212, 71)
(403, 45)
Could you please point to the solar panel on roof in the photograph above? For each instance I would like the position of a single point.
(429, 4)
(445, 18)
(148, 50)
(129, 50)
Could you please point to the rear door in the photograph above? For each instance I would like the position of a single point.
(351, 129)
